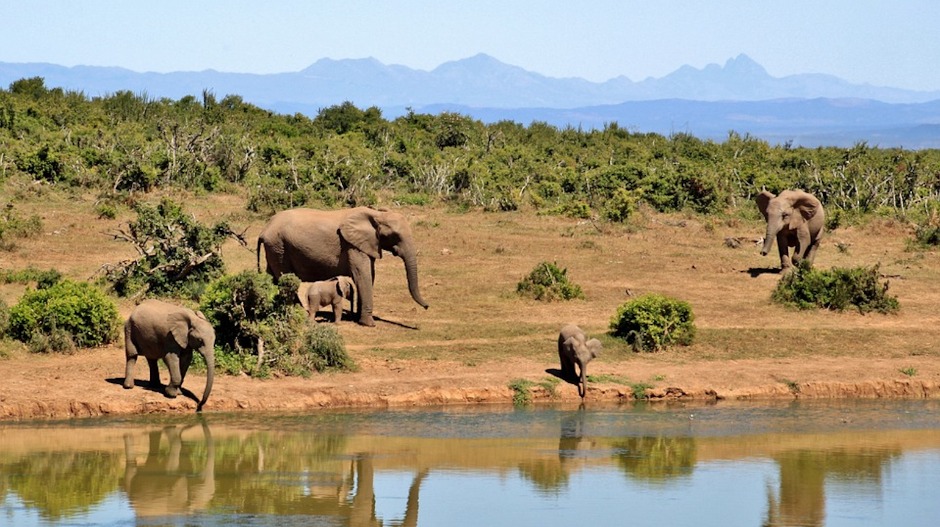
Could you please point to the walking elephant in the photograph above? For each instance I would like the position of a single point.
(318, 245)
(795, 219)
(332, 293)
(575, 348)
(158, 330)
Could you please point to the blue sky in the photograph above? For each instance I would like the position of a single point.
(885, 43)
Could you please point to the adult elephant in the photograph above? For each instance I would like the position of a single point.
(795, 219)
(318, 245)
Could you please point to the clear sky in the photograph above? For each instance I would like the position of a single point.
(885, 43)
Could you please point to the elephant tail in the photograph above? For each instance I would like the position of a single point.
(258, 253)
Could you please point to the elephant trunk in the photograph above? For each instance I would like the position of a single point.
(209, 356)
(582, 386)
(772, 231)
(411, 268)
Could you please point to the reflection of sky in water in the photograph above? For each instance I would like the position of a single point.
(114, 511)
(601, 496)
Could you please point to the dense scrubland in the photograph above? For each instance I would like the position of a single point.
(625, 212)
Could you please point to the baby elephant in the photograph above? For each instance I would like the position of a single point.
(158, 330)
(330, 292)
(575, 348)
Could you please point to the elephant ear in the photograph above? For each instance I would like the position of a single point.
(595, 347)
(360, 230)
(573, 343)
(807, 204)
(179, 328)
(763, 200)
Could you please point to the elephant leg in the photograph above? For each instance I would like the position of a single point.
(130, 352)
(811, 253)
(337, 309)
(173, 364)
(783, 247)
(154, 366)
(185, 361)
(567, 367)
(129, 372)
(362, 266)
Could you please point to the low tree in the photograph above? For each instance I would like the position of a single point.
(176, 252)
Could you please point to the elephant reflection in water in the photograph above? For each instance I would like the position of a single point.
(803, 475)
(362, 512)
(551, 475)
(168, 482)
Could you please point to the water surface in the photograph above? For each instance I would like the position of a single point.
(817, 463)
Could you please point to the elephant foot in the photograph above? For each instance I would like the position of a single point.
(172, 392)
(128, 385)
(367, 321)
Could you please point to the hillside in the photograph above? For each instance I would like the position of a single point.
(740, 95)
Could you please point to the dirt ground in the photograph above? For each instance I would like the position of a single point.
(59, 387)
(479, 336)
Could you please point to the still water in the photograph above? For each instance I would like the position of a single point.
(726, 464)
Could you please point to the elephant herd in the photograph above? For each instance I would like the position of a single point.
(336, 252)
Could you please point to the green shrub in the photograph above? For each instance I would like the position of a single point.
(323, 349)
(85, 314)
(622, 205)
(261, 327)
(4, 318)
(13, 226)
(177, 253)
(43, 279)
(652, 322)
(548, 282)
(837, 288)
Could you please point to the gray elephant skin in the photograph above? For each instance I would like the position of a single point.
(318, 245)
(574, 348)
(159, 330)
(331, 293)
(794, 219)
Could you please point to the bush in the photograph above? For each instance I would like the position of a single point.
(260, 327)
(43, 279)
(177, 253)
(13, 226)
(323, 349)
(548, 282)
(653, 322)
(837, 288)
(4, 318)
(76, 310)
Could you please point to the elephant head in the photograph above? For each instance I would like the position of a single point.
(585, 352)
(372, 231)
(794, 218)
(574, 348)
(190, 330)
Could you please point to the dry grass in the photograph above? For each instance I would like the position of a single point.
(471, 262)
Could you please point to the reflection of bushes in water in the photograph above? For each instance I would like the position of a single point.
(268, 462)
(803, 476)
(656, 459)
(548, 475)
(62, 484)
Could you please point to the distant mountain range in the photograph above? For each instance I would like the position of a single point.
(807, 109)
